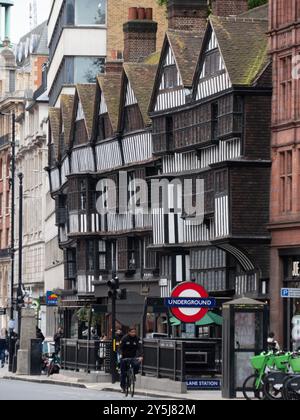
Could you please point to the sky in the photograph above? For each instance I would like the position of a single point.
(20, 17)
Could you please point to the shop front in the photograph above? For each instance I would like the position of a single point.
(291, 304)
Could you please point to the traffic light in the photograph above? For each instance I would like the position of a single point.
(114, 289)
(113, 286)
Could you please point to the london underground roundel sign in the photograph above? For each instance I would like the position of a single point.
(190, 302)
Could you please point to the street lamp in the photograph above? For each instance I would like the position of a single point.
(20, 288)
(12, 248)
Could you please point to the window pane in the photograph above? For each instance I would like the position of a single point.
(92, 14)
(87, 68)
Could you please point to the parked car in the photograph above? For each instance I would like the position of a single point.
(156, 335)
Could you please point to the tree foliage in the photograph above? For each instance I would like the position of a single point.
(252, 3)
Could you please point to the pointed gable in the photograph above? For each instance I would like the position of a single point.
(139, 79)
(176, 69)
(86, 105)
(110, 85)
(244, 46)
(212, 73)
(235, 53)
(67, 111)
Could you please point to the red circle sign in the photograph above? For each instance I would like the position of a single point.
(189, 290)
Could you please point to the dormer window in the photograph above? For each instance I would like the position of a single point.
(171, 77)
(80, 114)
(213, 63)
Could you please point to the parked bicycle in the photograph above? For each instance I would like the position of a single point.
(275, 378)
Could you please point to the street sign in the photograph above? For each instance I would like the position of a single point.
(189, 302)
(203, 384)
(290, 293)
(51, 299)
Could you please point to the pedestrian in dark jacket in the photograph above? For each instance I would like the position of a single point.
(3, 348)
(57, 339)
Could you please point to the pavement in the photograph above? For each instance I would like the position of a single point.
(71, 381)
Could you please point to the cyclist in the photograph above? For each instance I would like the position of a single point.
(130, 348)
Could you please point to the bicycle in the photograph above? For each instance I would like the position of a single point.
(130, 377)
(254, 384)
(291, 388)
(274, 380)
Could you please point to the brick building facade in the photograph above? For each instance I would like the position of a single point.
(117, 14)
(285, 191)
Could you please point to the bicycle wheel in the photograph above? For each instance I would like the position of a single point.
(250, 390)
(291, 391)
(132, 382)
(273, 386)
(128, 384)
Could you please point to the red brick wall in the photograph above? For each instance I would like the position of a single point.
(38, 63)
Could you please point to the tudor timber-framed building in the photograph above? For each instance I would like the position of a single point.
(209, 100)
(216, 128)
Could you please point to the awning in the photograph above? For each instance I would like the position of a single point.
(210, 319)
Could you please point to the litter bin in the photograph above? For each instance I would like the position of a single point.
(35, 357)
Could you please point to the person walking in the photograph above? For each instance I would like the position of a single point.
(57, 340)
(3, 348)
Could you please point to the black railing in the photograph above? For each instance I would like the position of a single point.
(84, 354)
(181, 360)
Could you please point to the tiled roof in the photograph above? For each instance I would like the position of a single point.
(87, 97)
(261, 12)
(110, 85)
(67, 109)
(54, 119)
(244, 46)
(141, 77)
(186, 48)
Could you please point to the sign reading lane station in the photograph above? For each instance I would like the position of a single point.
(190, 302)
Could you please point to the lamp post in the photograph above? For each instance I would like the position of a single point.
(20, 289)
(12, 247)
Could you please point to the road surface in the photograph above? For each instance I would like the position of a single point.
(28, 391)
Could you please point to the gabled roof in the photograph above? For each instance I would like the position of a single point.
(67, 111)
(141, 77)
(110, 85)
(55, 123)
(260, 12)
(87, 96)
(243, 45)
(186, 48)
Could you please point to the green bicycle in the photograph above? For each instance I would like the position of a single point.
(253, 388)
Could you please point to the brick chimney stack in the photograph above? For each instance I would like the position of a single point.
(139, 34)
(188, 15)
(229, 7)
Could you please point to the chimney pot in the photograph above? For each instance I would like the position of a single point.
(132, 13)
(149, 13)
(141, 13)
